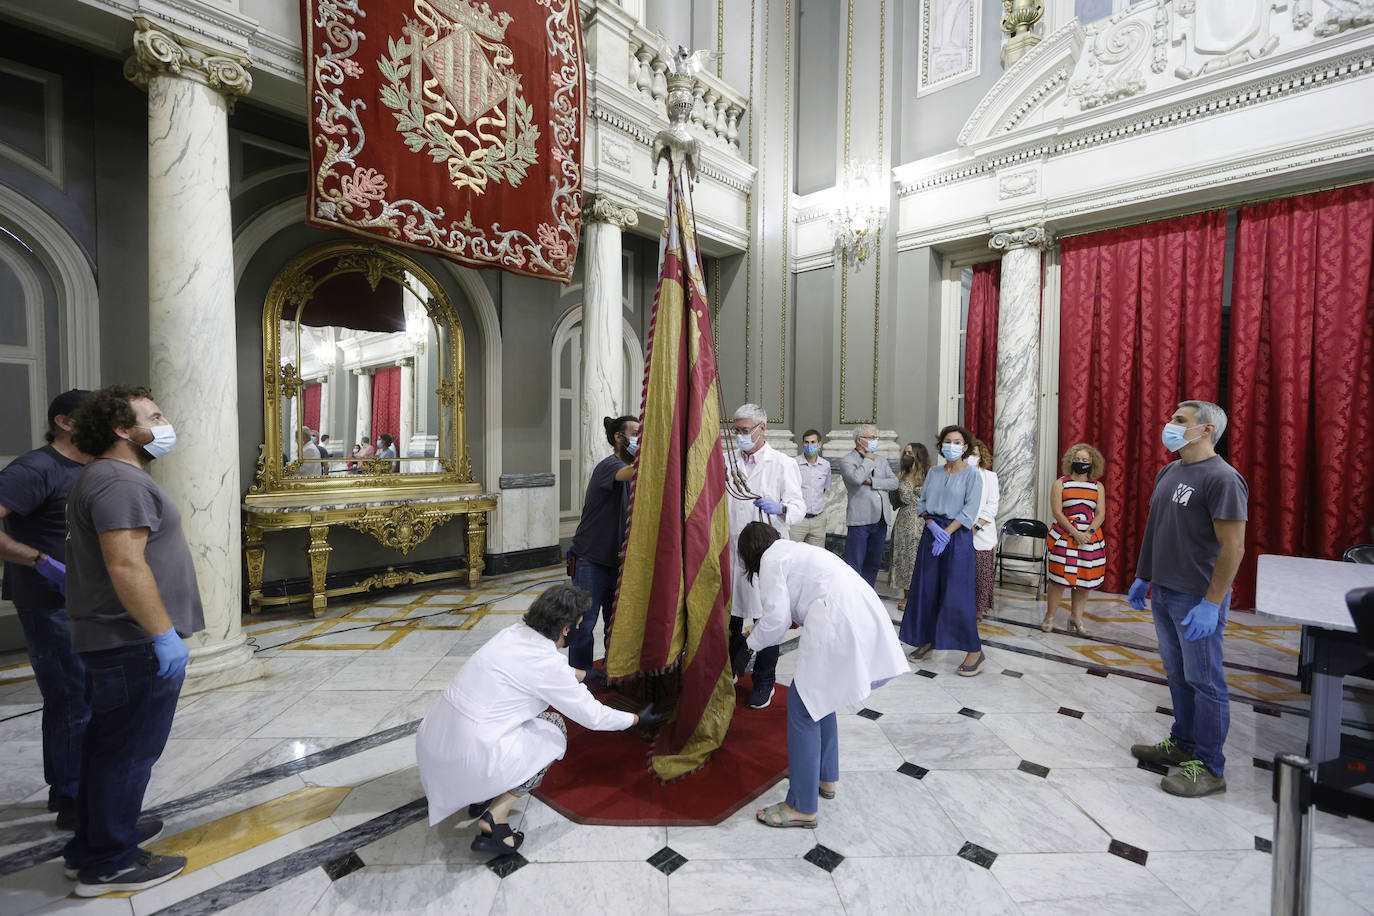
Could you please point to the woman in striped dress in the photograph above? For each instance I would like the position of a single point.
(1077, 549)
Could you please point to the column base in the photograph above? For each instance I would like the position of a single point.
(220, 665)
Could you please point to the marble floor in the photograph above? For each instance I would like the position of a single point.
(1012, 792)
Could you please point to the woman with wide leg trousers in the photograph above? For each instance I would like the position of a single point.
(941, 612)
(846, 649)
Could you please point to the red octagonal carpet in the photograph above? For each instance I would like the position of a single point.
(604, 778)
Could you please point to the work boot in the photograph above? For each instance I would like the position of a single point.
(1167, 752)
(1193, 780)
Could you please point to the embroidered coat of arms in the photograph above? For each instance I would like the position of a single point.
(449, 126)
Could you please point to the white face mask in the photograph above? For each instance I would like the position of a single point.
(164, 437)
(972, 459)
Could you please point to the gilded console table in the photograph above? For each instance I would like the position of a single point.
(397, 523)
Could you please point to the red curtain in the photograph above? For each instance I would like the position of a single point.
(1140, 330)
(386, 404)
(312, 406)
(1302, 375)
(980, 351)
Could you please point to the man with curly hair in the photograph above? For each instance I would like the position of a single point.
(133, 597)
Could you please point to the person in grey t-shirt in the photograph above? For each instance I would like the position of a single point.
(132, 597)
(1193, 544)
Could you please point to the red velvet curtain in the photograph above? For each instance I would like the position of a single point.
(312, 406)
(386, 404)
(1140, 330)
(980, 351)
(1302, 375)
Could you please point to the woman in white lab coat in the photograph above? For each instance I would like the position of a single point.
(846, 649)
(490, 735)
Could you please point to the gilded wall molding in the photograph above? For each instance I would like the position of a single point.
(157, 51)
(945, 62)
(878, 248)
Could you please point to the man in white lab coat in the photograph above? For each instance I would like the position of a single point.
(774, 479)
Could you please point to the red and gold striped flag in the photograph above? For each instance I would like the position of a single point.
(673, 603)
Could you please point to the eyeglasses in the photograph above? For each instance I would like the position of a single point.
(749, 429)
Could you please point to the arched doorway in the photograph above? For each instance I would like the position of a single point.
(566, 400)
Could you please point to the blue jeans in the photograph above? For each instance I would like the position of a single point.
(599, 582)
(131, 716)
(62, 681)
(1197, 683)
(863, 549)
(813, 754)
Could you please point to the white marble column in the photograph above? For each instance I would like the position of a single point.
(1016, 425)
(603, 341)
(364, 415)
(191, 324)
(407, 424)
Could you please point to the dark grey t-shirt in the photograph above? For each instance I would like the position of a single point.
(1180, 546)
(107, 496)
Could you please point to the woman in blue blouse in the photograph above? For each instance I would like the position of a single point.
(940, 611)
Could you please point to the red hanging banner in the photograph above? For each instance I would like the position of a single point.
(449, 126)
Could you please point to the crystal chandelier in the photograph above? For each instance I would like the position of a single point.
(859, 213)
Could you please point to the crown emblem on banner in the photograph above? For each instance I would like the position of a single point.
(475, 16)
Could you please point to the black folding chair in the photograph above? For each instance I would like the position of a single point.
(1360, 553)
(1035, 563)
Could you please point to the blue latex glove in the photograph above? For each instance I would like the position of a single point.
(1136, 596)
(54, 571)
(771, 506)
(941, 537)
(171, 654)
(1201, 620)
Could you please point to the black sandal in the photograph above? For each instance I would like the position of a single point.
(496, 840)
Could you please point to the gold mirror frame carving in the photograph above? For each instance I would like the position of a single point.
(293, 287)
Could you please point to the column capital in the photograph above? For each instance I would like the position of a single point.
(361, 372)
(406, 362)
(599, 209)
(1029, 237)
(156, 50)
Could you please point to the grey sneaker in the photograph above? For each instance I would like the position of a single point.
(149, 829)
(1168, 752)
(148, 870)
(1193, 780)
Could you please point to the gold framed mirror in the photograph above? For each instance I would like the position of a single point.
(362, 377)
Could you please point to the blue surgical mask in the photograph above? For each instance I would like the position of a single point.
(745, 441)
(811, 451)
(164, 437)
(1173, 435)
(632, 444)
(951, 451)
(872, 446)
(379, 443)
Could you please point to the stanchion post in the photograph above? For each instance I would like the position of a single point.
(1290, 889)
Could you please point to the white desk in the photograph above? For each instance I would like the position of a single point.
(1312, 593)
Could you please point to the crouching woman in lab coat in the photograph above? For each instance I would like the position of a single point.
(846, 649)
(491, 735)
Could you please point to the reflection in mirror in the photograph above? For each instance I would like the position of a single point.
(369, 365)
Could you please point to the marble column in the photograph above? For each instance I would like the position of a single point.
(407, 424)
(1016, 424)
(193, 368)
(603, 341)
(364, 415)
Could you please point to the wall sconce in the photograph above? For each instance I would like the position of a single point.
(859, 214)
(417, 332)
(324, 352)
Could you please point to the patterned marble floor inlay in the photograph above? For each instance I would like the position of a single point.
(1011, 794)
